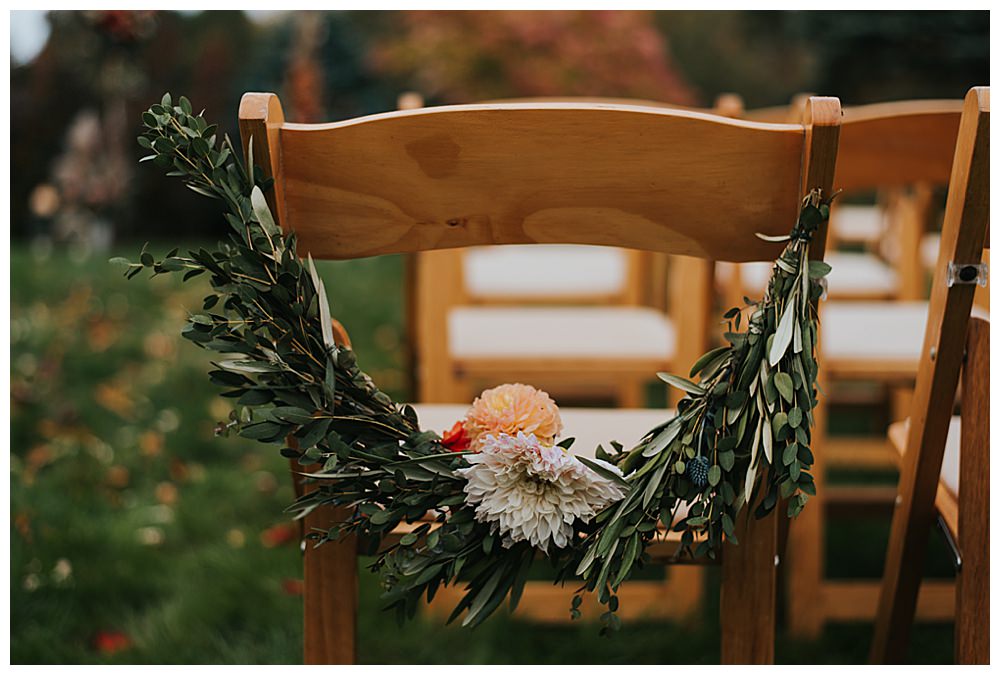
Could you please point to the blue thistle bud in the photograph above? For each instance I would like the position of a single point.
(697, 471)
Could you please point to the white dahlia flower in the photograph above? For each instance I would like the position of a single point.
(533, 492)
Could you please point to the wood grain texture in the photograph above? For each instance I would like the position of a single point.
(747, 603)
(857, 600)
(897, 144)
(456, 176)
(972, 612)
(963, 234)
(261, 118)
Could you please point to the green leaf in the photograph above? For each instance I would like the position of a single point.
(681, 383)
(663, 439)
(818, 269)
(789, 453)
(714, 475)
(707, 358)
(380, 517)
(783, 334)
(262, 212)
(783, 383)
(604, 471)
(794, 417)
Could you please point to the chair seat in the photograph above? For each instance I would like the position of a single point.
(859, 224)
(930, 245)
(589, 426)
(549, 271)
(854, 276)
(875, 339)
(946, 500)
(602, 333)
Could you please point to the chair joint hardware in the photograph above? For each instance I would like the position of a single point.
(968, 274)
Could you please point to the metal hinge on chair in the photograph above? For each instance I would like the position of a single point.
(956, 554)
(968, 274)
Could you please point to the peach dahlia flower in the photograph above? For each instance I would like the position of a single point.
(511, 408)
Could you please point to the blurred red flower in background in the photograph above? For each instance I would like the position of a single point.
(111, 642)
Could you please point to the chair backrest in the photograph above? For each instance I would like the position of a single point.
(897, 144)
(901, 150)
(963, 237)
(674, 181)
(641, 275)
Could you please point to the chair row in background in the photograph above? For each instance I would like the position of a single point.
(508, 310)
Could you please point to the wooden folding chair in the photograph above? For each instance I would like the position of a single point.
(947, 339)
(893, 147)
(493, 295)
(676, 182)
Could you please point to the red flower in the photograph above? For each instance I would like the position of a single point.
(111, 642)
(457, 438)
(283, 533)
(293, 586)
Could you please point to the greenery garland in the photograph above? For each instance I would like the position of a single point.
(742, 433)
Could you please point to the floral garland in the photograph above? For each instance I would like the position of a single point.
(496, 489)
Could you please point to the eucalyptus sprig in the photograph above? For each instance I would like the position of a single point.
(269, 319)
(742, 432)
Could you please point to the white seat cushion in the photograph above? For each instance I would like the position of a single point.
(589, 426)
(560, 332)
(929, 247)
(951, 461)
(856, 223)
(952, 455)
(544, 270)
(853, 274)
(875, 331)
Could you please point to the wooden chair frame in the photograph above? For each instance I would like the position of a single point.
(382, 207)
(962, 241)
(877, 151)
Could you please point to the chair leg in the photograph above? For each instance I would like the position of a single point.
(331, 595)
(972, 599)
(747, 606)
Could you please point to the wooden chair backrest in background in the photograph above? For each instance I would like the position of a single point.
(964, 235)
(903, 150)
(900, 150)
(673, 181)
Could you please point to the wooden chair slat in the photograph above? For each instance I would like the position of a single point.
(962, 238)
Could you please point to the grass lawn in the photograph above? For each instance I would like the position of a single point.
(138, 536)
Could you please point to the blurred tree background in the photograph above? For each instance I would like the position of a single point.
(75, 104)
(138, 536)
